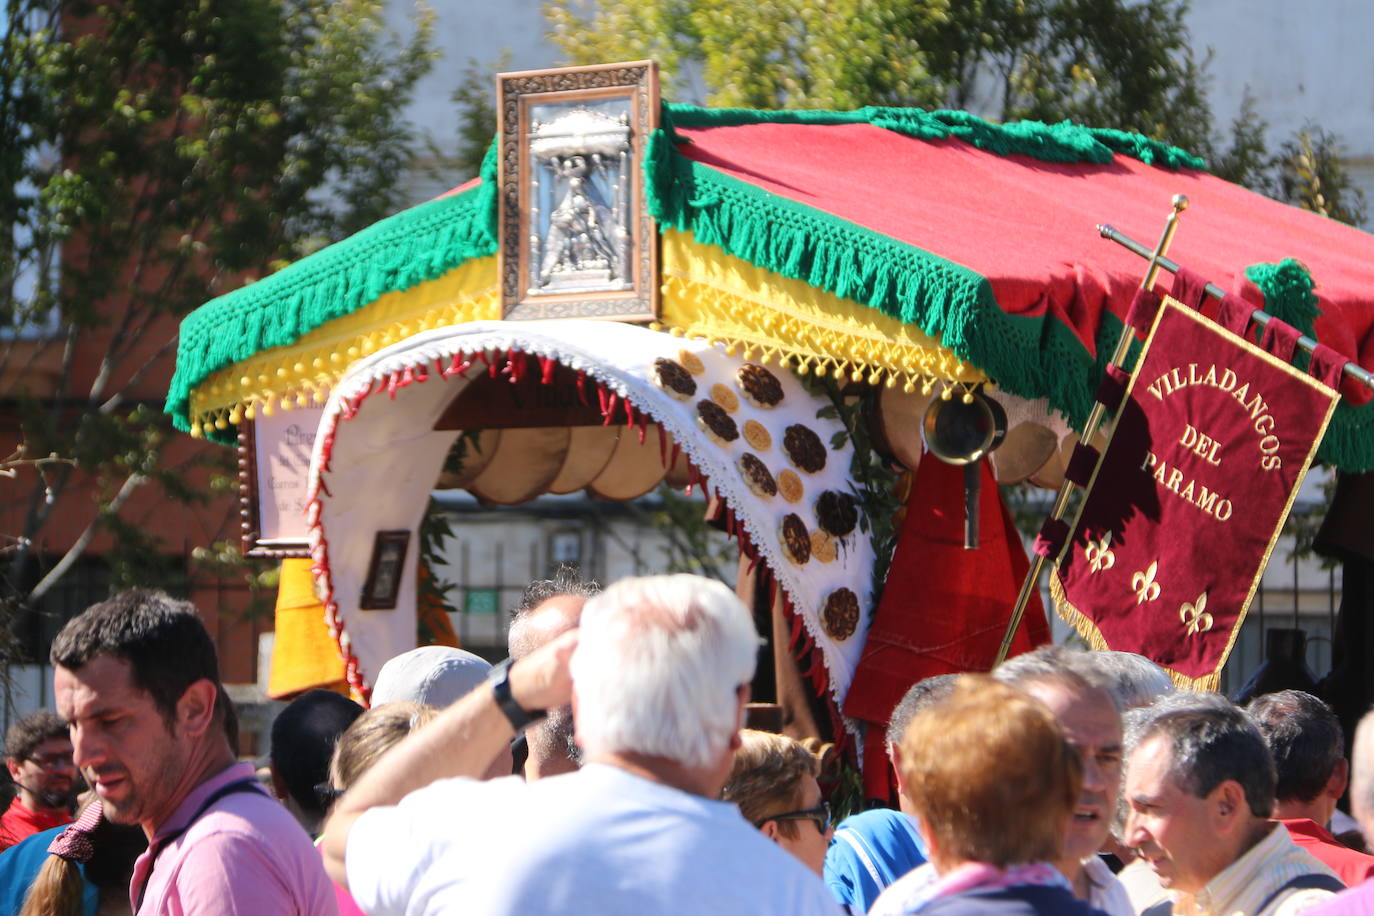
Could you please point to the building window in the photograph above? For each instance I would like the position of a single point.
(565, 549)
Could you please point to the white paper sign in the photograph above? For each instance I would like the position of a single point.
(282, 446)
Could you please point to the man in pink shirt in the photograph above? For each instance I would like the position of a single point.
(152, 729)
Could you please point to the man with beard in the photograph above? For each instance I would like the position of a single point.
(1059, 678)
(138, 682)
(548, 609)
(38, 754)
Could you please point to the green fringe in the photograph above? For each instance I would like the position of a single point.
(1032, 357)
(397, 253)
(1062, 142)
(1288, 296)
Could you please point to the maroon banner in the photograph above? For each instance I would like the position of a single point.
(1180, 517)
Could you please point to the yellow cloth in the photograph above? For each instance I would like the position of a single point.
(304, 655)
(708, 293)
(305, 370)
(705, 293)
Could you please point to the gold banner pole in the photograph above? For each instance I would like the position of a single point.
(1095, 418)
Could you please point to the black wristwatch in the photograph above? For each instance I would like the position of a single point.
(517, 715)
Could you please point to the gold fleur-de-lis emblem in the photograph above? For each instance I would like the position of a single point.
(1099, 554)
(1144, 584)
(1194, 616)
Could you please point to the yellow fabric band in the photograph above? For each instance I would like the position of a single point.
(302, 373)
(708, 293)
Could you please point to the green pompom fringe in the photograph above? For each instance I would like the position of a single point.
(1288, 296)
(1032, 357)
(397, 253)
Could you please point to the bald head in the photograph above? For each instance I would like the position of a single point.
(540, 624)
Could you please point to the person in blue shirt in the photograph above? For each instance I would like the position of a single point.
(872, 849)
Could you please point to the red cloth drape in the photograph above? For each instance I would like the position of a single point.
(944, 608)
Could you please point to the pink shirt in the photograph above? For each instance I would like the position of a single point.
(245, 855)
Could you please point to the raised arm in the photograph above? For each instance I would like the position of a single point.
(462, 741)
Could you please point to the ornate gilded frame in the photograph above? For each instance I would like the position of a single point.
(580, 133)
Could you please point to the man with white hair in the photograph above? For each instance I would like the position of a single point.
(1062, 679)
(658, 674)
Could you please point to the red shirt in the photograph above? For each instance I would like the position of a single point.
(19, 822)
(1350, 866)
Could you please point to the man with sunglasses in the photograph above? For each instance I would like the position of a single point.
(38, 754)
(773, 781)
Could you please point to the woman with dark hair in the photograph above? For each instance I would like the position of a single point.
(994, 784)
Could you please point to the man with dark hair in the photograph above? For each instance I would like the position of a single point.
(138, 682)
(1200, 786)
(872, 849)
(1308, 746)
(38, 754)
(548, 609)
(303, 739)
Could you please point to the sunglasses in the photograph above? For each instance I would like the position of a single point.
(820, 815)
(53, 761)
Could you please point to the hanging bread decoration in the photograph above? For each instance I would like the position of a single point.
(804, 448)
(671, 377)
(837, 513)
(635, 467)
(796, 540)
(840, 616)
(718, 424)
(476, 456)
(1026, 449)
(757, 476)
(523, 465)
(589, 452)
(759, 386)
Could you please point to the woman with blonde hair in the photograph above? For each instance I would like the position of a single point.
(360, 746)
(994, 784)
(80, 870)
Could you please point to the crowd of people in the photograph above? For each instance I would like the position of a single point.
(603, 769)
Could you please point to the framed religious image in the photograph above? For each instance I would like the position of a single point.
(577, 240)
(384, 572)
(274, 463)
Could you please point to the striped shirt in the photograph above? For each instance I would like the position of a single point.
(1242, 887)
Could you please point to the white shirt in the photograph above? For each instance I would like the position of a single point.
(1105, 892)
(600, 840)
